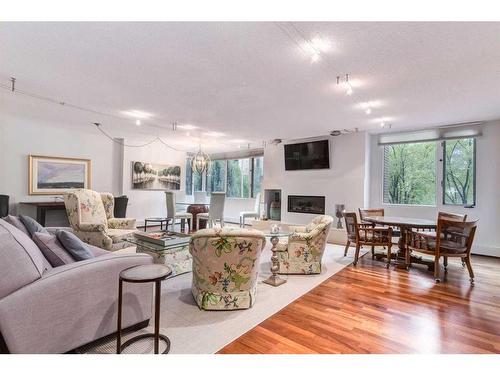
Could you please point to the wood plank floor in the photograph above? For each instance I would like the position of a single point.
(369, 309)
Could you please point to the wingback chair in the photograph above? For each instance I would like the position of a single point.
(225, 267)
(91, 217)
(303, 251)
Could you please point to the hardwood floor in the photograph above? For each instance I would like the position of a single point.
(369, 309)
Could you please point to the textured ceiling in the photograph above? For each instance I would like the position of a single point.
(252, 80)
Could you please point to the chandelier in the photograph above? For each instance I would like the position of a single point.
(200, 162)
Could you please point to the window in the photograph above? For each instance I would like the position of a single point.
(459, 170)
(238, 178)
(410, 173)
(258, 175)
(189, 177)
(216, 176)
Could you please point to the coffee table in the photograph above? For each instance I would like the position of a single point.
(174, 253)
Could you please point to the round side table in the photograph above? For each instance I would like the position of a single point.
(151, 273)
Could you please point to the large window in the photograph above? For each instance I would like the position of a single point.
(239, 178)
(459, 170)
(216, 176)
(410, 173)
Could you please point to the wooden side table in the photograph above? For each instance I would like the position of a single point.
(151, 273)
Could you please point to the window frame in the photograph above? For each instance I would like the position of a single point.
(443, 178)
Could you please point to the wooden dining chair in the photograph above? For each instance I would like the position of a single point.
(366, 234)
(451, 216)
(365, 212)
(452, 239)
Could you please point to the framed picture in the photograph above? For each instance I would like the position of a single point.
(50, 175)
(149, 176)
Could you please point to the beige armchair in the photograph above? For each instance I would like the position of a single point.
(91, 217)
(303, 251)
(225, 267)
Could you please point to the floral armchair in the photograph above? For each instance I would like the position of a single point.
(302, 252)
(225, 267)
(91, 217)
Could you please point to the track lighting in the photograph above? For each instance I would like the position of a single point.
(346, 83)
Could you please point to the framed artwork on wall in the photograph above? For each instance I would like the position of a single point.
(52, 175)
(149, 176)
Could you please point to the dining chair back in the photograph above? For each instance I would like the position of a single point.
(365, 212)
(450, 216)
(170, 202)
(120, 207)
(216, 208)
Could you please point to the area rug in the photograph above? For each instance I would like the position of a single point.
(193, 331)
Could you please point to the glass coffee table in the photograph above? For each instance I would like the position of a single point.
(172, 250)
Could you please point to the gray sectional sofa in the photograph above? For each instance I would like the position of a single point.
(45, 309)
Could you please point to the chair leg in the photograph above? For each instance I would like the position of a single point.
(347, 247)
(373, 252)
(436, 269)
(469, 268)
(388, 256)
(197, 222)
(445, 263)
(356, 256)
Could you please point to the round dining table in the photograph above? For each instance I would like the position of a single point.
(405, 224)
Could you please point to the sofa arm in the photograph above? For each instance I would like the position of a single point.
(72, 305)
(125, 223)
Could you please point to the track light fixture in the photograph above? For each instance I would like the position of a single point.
(346, 83)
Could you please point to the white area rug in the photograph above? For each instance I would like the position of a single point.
(194, 331)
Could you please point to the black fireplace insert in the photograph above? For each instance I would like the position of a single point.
(306, 204)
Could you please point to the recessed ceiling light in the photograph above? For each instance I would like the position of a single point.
(137, 114)
(187, 126)
(214, 134)
(138, 122)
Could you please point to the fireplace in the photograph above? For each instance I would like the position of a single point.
(306, 204)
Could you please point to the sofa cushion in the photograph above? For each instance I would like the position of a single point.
(52, 249)
(32, 225)
(16, 221)
(21, 262)
(78, 249)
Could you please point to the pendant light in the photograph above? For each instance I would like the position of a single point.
(200, 162)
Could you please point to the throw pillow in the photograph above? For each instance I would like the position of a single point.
(16, 221)
(52, 249)
(78, 249)
(32, 225)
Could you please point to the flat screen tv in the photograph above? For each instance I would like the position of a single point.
(309, 155)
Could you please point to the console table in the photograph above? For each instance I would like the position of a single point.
(43, 207)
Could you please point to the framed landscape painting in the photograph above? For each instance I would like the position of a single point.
(149, 176)
(50, 175)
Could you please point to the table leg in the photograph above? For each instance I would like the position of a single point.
(157, 315)
(145, 225)
(274, 279)
(119, 319)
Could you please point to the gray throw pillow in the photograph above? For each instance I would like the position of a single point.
(32, 225)
(78, 249)
(16, 221)
(52, 249)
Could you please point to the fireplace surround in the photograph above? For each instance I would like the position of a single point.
(306, 204)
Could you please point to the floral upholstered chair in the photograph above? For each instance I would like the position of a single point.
(91, 217)
(225, 267)
(302, 252)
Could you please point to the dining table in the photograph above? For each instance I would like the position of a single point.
(405, 224)
(194, 209)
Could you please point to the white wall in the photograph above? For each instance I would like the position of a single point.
(487, 239)
(111, 164)
(342, 183)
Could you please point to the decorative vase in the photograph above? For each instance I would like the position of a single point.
(275, 209)
(339, 213)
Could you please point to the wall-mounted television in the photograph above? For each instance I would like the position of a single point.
(309, 155)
